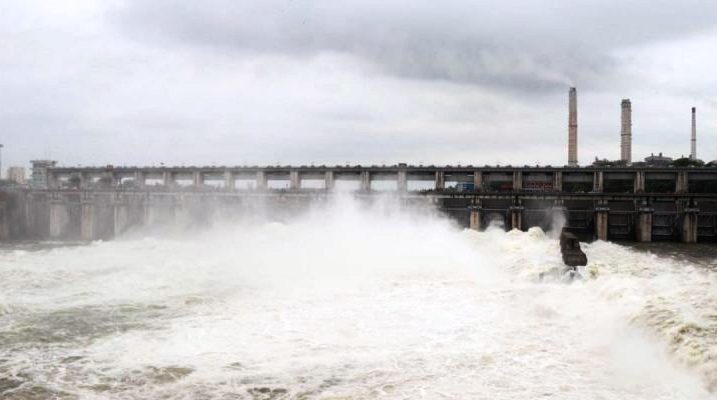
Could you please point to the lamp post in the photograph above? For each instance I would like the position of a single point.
(1, 146)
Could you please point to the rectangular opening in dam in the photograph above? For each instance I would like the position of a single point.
(313, 184)
(660, 182)
(702, 182)
(282, 184)
(128, 182)
(183, 181)
(215, 181)
(665, 221)
(580, 218)
(245, 184)
(578, 182)
(347, 185)
(420, 185)
(384, 185)
(494, 212)
(537, 182)
(619, 182)
(621, 220)
(278, 180)
(384, 182)
(459, 182)
(538, 213)
(420, 181)
(154, 182)
(245, 181)
(498, 181)
(707, 222)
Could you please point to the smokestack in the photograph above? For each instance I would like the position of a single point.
(572, 127)
(693, 151)
(626, 131)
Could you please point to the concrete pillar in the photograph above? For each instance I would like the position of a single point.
(150, 212)
(516, 217)
(294, 180)
(168, 178)
(440, 181)
(643, 230)
(88, 229)
(639, 182)
(402, 184)
(83, 181)
(598, 181)
(59, 218)
(261, 180)
(51, 180)
(681, 183)
(689, 224)
(602, 212)
(329, 181)
(477, 180)
(365, 179)
(229, 180)
(121, 217)
(558, 181)
(198, 178)
(517, 181)
(475, 217)
(139, 179)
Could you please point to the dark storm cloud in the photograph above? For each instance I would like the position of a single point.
(530, 46)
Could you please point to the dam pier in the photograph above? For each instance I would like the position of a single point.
(607, 203)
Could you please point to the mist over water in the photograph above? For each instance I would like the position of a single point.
(353, 301)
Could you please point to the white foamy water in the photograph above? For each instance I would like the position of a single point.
(349, 303)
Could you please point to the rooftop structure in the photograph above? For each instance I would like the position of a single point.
(38, 178)
(658, 160)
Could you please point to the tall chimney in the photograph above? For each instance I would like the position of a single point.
(626, 131)
(573, 127)
(693, 151)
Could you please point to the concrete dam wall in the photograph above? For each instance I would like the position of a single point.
(95, 214)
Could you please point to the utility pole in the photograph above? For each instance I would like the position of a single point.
(1, 146)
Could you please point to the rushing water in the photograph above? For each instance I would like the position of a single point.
(349, 303)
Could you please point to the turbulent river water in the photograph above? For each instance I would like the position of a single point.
(351, 302)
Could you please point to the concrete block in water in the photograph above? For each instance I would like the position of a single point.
(573, 256)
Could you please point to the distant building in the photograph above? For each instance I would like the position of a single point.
(16, 174)
(39, 173)
(658, 160)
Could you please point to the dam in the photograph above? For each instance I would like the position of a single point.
(608, 203)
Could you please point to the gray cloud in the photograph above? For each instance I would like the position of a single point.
(233, 82)
(529, 46)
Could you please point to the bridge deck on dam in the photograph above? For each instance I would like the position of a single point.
(630, 203)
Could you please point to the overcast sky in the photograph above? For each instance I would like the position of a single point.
(370, 81)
